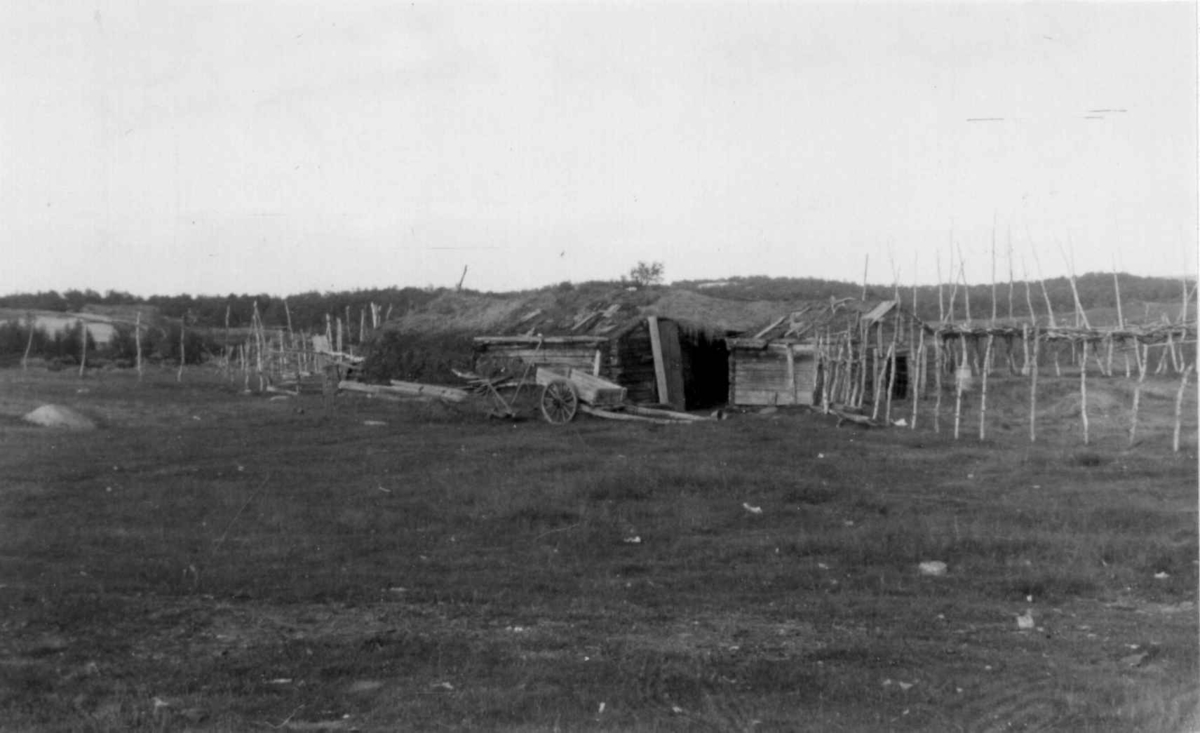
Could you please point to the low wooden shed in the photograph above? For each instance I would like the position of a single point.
(658, 360)
(789, 359)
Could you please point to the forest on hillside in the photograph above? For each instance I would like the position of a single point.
(308, 310)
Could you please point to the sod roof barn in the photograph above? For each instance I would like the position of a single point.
(664, 346)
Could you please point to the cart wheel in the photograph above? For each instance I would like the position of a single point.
(560, 401)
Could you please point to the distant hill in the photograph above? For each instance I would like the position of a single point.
(1143, 298)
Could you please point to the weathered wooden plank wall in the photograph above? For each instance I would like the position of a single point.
(765, 376)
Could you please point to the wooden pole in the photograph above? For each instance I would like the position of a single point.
(993, 268)
(1028, 294)
(1137, 394)
(939, 364)
(983, 392)
(1183, 311)
(83, 334)
(1080, 314)
(1083, 396)
(1011, 284)
(941, 305)
(1025, 348)
(137, 340)
(291, 335)
(1045, 294)
(827, 374)
(962, 273)
(182, 355)
(1033, 379)
(862, 366)
(919, 371)
(1117, 288)
(866, 262)
(226, 349)
(245, 356)
(29, 323)
(953, 285)
(877, 381)
(891, 385)
(1179, 405)
(959, 383)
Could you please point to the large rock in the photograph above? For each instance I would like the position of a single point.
(57, 416)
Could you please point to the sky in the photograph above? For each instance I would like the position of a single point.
(284, 146)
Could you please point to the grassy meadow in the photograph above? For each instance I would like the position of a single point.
(213, 561)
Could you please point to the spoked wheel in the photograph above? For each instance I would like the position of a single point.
(560, 402)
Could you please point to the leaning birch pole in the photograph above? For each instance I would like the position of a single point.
(918, 375)
(827, 372)
(1183, 311)
(962, 273)
(29, 323)
(227, 349)
(1011, 284)
(1025, 348)
(1187, 372)
(291, 334)
(938, 365)
(83, 334)
(1137, 394)
(1117, 288)
(959, 384)
(137, 340)
(245, 349)
(866, 262)
(1033, 379)
(983, 392)
(880, 365)
(941, 303)
(1083, 396)
(182, 355)
(993, 269)
(891, 361)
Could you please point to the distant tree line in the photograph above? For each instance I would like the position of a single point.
(307, 310)
(64, 346)
(1095, 291)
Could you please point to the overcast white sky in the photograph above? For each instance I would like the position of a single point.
(214, 146)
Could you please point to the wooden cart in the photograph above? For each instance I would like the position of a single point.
(564, 392)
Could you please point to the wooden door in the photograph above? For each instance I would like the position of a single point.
(668, 362)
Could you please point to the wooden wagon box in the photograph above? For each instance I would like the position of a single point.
(593, 390)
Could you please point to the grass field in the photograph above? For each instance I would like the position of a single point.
(208, 560)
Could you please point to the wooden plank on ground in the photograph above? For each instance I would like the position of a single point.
(446, 393)
(666, 414)
(610, 415)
